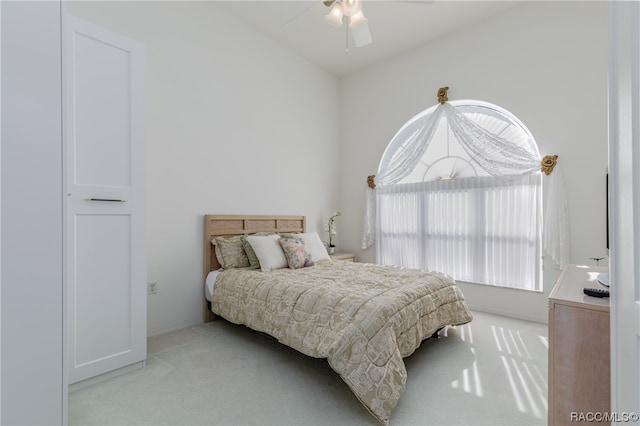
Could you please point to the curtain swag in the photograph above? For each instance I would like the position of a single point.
(547, 165)
(496, 155)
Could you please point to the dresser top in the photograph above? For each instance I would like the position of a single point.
(574, 278)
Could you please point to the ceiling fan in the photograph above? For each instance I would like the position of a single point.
(350, 11)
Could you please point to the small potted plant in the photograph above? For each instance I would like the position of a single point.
(331, 228)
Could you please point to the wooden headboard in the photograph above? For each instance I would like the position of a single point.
(232, 225)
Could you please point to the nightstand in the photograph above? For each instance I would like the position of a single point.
(347, 257)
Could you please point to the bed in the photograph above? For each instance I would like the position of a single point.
(363, 318)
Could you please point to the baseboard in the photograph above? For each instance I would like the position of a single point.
(175, 327)
(106, 376)
(508, 302)
(509, 314)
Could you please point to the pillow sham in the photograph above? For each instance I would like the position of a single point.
(217, 251)
(314, 245)
(268, 251)
(295, 252)
(230, 253)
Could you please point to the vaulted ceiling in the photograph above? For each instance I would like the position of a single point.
(395, 26)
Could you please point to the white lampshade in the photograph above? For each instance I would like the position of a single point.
(351, 7)
(357, 19)
(334, 17)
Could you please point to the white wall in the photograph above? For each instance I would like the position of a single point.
(236, 124)
(546, 62)
(31, 172)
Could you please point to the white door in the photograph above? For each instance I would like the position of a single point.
(624, 203)
(105, 191)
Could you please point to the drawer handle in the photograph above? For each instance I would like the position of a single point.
(110, 200)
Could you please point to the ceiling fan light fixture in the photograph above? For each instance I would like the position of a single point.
(351, 7)
(334, 17)
(358, 19)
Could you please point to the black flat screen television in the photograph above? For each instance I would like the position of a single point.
(607, 201)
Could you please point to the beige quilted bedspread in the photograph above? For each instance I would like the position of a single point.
(363, 318)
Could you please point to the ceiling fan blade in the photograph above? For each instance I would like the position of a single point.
(361, 35)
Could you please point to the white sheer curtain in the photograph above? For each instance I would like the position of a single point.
(495, 154)
(482, 230)
(400, 225)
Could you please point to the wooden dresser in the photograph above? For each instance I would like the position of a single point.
(579, 380)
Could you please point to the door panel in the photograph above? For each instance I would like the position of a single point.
(102, 99)
(103, 301)
(105, 239)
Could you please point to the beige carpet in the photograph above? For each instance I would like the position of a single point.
(492, 371)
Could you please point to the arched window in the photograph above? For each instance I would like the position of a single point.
(452, 212)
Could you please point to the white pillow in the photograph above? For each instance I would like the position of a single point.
(268, 251)
(314, 245)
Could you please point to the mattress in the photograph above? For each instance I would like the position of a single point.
(210, 283)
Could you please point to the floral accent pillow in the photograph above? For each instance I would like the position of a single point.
(314, 245)
(296, 253)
